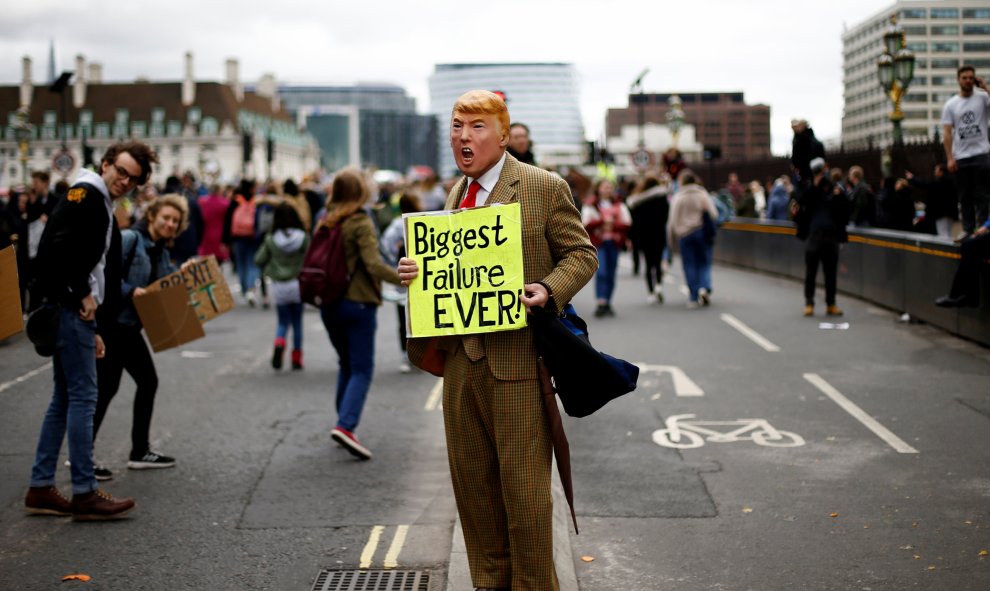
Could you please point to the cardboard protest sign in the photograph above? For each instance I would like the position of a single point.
(168, 317)
(208, 290)
(470, 271)
(11, 318)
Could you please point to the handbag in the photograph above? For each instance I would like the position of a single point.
(585, 379)
(708, 228)
(42, 328)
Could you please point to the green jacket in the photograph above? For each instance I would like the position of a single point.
(282, 253)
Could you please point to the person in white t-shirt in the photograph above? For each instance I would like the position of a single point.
(967, 148)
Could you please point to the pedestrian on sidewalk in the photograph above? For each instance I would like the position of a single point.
(823, 212)
(146, 257)
(280, 258)
(73, 254)
(394, 248)
(607, 221)
(239, 233)
(686, 229)
(967, 149)
(650, 209)
(498, 438)
(352, 320)
(966, 282)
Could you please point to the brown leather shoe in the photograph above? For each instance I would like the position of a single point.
(833, 310)
(98, 505)
(809, 310)
(46, 500)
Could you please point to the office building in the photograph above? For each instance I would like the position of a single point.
(374, 125)
(544, 96)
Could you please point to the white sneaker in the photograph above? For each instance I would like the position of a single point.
(703, 297)
(252, 299)
(658, 294)
(404, 367)
(692, 305)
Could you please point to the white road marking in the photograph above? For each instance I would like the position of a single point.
(392, 556)
(369, 549)
(196, 355)
(436, 395)
(683, 385)
(749, 333)
(850, 407)
(25, 377)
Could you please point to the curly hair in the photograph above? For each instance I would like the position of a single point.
(140, 152)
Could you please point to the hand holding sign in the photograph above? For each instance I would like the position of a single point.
(464, 271)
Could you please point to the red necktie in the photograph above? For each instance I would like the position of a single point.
(472, 195)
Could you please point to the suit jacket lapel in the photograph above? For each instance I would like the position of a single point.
(508, 182)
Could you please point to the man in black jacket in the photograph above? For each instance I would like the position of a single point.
(822, 216)
(805, 147)
(73, 260)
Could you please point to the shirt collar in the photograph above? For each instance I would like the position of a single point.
(488, 179)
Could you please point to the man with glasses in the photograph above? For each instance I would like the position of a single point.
(78, 261)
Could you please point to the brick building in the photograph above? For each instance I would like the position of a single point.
(721, 120)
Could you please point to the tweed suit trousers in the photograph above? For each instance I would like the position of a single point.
(499, 450)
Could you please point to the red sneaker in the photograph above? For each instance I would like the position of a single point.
(297, 362)
(348, 441)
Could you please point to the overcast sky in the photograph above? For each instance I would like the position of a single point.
(784, 53)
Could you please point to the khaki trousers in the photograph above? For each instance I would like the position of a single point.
(499, 450)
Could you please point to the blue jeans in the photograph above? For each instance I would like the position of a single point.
(243, 253)
(608, 262)
(351, 326)
(696, 256)
(290, 314)
(72, 407)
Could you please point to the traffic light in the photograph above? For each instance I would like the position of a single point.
(247, 146)
(87, 152)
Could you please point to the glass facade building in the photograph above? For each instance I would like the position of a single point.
(544, 96)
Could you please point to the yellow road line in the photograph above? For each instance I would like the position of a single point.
(392, 556)
(369, 549)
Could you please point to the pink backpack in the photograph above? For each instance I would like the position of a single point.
(242, 224)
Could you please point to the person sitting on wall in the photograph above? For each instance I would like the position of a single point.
(965, 289)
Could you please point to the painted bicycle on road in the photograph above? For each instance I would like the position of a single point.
(685, 432)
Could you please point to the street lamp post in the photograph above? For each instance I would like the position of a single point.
(675, 118)
(22, 132)
(636, 90)
(895, 68)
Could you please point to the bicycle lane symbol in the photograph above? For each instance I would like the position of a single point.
(684, 432)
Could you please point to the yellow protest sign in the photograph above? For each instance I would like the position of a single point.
(470, 271)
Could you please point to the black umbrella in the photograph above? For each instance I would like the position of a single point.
(585, 379)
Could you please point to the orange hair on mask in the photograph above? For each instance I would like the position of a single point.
(483, 102)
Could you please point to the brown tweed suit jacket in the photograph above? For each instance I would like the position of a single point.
(556, 251)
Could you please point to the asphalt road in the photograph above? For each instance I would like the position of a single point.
(824, 458)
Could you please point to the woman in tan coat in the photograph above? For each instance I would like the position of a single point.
(351, 321)
(685, 228)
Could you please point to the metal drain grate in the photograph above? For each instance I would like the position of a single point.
(372, 580)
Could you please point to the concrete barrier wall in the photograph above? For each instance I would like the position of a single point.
(901, 271)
